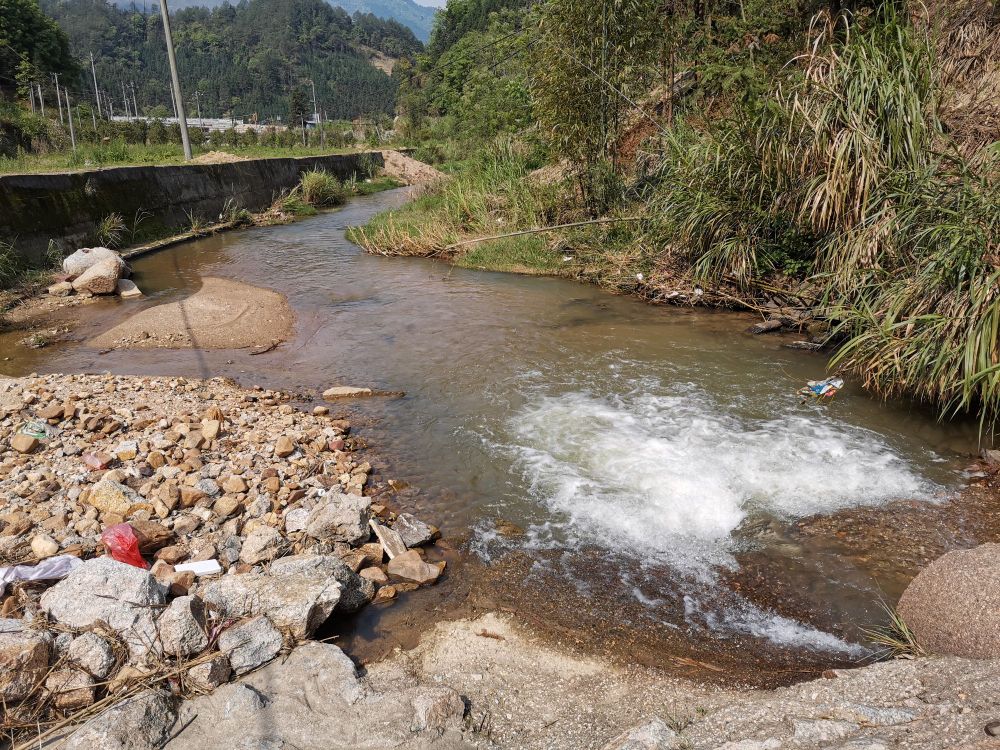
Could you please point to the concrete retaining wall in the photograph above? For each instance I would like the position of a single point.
(66, 207)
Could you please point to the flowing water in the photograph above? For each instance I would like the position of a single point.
(636, 460)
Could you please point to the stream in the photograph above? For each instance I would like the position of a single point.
(641, 476)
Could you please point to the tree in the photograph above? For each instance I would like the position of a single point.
(27, 34)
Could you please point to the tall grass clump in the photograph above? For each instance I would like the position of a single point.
(320, 188)
(491, 194)
(848, 175)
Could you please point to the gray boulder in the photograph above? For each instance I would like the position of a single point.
(137, 723)
(315, 700)
(123, 596)
(81, 260)
(953, 605)
(92, 654)
(340, 518)
(652, 735)
(263, 544)
(297, 594)
(355, 591)
(182, 627)
(250, 644)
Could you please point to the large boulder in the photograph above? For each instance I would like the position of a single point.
(355, 591)
(83, 259)
(250, 643)
(953, 605)
(100, 278)
(297, 594)
(340, 518)
(142, 721)
(314, 700)
(123, 596)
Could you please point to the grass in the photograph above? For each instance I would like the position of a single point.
(531, 254)
(120, 153)
(893, 639)
(321, 189)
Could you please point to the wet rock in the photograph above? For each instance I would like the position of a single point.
(652, 735)
(69, 689)
(101, 278)
(104, 590)
(81, 260)
(375, 575)
(182, 627)
(263, 544)
(210, 674)
(92, 654)
(250, 644)
(410, 566)
(24, 443)
(127, 289)
(24, 661)
(345, 391)
(340, 518)
(142, 721)
(953, 605)
(412, 530)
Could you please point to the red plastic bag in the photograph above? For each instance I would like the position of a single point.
(123, 545)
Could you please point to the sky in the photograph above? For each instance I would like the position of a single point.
(432, 3)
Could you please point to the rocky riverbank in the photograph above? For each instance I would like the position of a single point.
(255, 513)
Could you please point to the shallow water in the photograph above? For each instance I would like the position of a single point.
(643, 451)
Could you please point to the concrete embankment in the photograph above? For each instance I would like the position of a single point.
(67, 207)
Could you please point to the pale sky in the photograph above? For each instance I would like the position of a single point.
(432, 3)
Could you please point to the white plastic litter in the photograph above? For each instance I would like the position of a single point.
(49, 569)
(200, 568)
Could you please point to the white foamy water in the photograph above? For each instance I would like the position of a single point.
(670, 477)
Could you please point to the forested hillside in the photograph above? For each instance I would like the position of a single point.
(242, 60)
(840, 158)
(418, 18)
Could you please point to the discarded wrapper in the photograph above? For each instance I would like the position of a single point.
(200, 568)
(821, 389)
(49, 569)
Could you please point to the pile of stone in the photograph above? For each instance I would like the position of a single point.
(252, 513)
(94, 270)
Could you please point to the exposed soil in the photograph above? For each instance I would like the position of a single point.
(409, 170)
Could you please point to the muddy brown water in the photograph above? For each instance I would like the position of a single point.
(638, 479)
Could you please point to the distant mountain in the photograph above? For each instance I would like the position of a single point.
(419, 18)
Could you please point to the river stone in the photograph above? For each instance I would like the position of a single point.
(142, 721)
(92, 654)
(182, 627)
(340, 518)
(84, 258)
(355, 591)
(70, 689)
(123, 596)
(412, 530)
(250, 644)
(953, 605)
(61, 289)
(346, 391)
(263, 544)
(100, 278)
(652, 735)
(127, 289)
(24, 661)
(113, 497)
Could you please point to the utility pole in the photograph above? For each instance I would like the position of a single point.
(175, 80)
(135, 107)
(31, 97)
(69, 114)
(173, 102)
(315, 108)
(41, 99)
(59, 99)
(197, 99)
(97, 94)
(125, 97)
